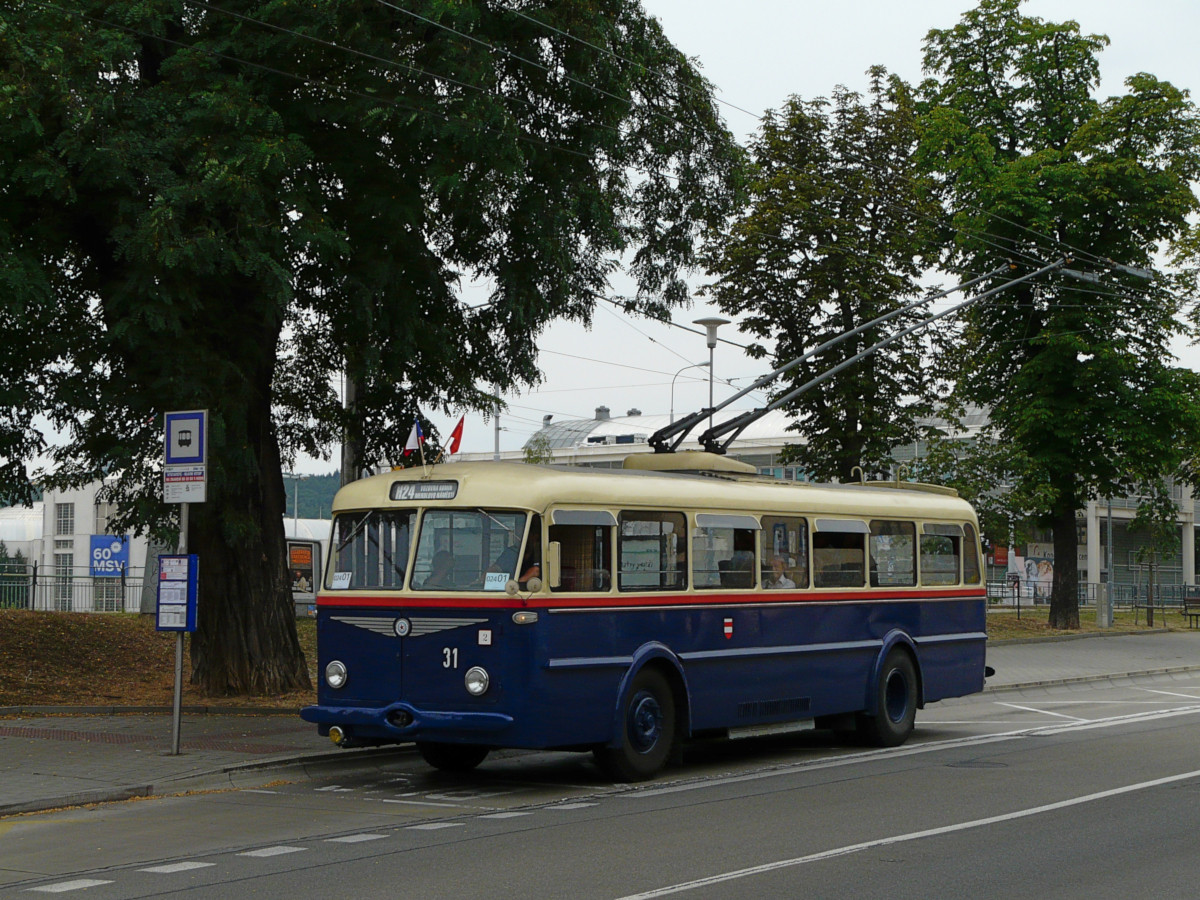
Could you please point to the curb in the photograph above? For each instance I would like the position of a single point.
(1082, 679)
(230, 777)
(147, 711)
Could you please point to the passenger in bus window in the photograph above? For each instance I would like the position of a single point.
(779, 579)
(441, 571)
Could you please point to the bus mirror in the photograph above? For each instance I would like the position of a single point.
(534, 584)
(553, 571)
(512, 588)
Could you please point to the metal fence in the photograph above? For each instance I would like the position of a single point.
(1123, 595)
(68, 590)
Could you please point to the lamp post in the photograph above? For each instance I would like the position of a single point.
(698, 365)
(710, 325)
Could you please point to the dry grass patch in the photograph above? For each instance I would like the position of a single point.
(109, 659)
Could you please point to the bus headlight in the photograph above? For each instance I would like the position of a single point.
(477, 681)
(335, 674)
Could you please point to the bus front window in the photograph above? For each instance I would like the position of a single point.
(370, 549)
(467, 549)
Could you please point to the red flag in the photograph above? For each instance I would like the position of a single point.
(456, 435)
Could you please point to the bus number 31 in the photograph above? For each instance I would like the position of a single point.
(449, 657)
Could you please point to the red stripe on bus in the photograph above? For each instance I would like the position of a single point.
(646, 599)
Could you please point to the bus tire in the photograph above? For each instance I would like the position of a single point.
(895, 703)
(452, 757)
(647, 730)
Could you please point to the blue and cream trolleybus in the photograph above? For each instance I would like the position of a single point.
(473, 606)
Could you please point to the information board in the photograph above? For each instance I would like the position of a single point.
(178, 582)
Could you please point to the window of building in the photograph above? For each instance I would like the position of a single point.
(64, 518)
(893, 554)
(104, 513)
(652, 551)
(64, 569)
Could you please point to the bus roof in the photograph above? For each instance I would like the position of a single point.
(537, 488)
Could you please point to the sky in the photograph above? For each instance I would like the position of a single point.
(757, 53)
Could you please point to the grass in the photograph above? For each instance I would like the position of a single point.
(117, 659)
(110, 659)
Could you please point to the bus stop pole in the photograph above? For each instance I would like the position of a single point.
(177, 704)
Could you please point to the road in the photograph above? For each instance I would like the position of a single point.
(1080, 791)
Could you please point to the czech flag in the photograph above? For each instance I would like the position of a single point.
(415, 438)
(456, 436)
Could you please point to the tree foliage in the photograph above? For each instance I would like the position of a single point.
(833, 237)
(1032, 166)
(226, 206)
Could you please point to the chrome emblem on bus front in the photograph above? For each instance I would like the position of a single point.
(415, 627)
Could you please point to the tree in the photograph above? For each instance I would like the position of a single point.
(1075, 374)
(831, 238)
(537, 451)
(228, 206)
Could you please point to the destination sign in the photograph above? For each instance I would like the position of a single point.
(424, 490)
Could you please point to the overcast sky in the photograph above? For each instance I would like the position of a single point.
(757, 53)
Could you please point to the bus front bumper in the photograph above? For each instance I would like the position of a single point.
(400, 722)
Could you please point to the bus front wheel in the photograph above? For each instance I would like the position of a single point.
(648, 730)
(895, 703)
(452, 757)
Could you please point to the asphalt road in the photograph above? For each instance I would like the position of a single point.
(1076, 791)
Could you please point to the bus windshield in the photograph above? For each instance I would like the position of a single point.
(467, 549)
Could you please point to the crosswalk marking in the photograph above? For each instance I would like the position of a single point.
(63, 886)
(271, 851)
(172, 868)
(356, 838)
(434, 826)
(504, 815)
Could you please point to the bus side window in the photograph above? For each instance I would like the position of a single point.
(586, 557)
(652, 551)
(971, 570)
(722, 557)
(839, 553)
(784, 547)
(939, 559)
(893, 554)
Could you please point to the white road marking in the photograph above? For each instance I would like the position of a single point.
(356, 838)
(1044, 712)
(572, 805)
(272, 851)
(503, 815)
(425, 803)
(172, 868)
(1169, 694)
(911, 836)
(851, 759)
(434, 826)
(63, 886)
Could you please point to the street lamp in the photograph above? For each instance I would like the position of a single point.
(699, 365)
(710, 325)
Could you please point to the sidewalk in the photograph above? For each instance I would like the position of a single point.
(51, 760)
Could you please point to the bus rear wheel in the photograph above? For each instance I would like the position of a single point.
(895, 703)
(648, 730)
(452, 757)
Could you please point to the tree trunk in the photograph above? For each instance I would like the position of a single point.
(1064, 596)
(246, 642)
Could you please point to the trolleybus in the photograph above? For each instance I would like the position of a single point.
(473, 606)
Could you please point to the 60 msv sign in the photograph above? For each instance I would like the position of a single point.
(109, 556)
